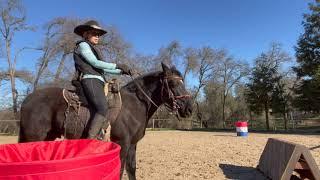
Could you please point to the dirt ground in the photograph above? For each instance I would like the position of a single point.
(184, 155)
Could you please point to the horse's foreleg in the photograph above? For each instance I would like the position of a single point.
(131, 162)
(123, 154)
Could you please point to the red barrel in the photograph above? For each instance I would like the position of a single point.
(68, 160)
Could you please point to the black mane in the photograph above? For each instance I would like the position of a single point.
(141, 80)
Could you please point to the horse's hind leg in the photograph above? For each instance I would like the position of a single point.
(131, 162)
(31, 135)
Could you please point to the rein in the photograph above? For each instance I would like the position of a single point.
(144, 93)
(172, 97)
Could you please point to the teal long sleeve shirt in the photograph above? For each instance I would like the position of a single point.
(109, 68)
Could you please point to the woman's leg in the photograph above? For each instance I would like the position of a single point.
(94, 91)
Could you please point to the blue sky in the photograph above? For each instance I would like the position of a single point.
(245, 28)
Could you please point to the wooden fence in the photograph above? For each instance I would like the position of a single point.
(9, 127)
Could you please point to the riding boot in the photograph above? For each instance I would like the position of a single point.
(95, 126)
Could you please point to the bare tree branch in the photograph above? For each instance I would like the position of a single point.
(13, 20)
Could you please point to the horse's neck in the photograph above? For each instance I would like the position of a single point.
(150, 86)
(154, 90)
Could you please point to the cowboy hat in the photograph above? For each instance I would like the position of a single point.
(89, 25)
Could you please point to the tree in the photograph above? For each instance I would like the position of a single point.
(308, 59)
(266, 74)
(241, 108)
(142, 63)
(260, 87)
(307, 95)
(13, 19)
(23, 75)
(65, 43)
(230, 73)
(51, 46)
(207, 58)
(205, 71)
(169, 53)
(190, 61)
(114, 47)
(212, 91)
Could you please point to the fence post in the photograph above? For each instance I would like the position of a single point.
(292, 120)
(152, 123)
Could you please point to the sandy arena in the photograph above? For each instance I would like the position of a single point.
(166, 155)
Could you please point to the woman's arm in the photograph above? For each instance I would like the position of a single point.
(112, 71)
(85, 50)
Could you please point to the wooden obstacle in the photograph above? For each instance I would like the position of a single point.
(281, 159)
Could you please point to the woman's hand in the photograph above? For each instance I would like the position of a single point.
(124, 68)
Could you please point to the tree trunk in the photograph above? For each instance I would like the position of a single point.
(35, 83)
(266, 110)
(14, 94)
(196, 94)
(42, 67)
(285, 116)
(12, 80)
(251, 119)
(285, 121)
(60, 68)
(223, 115)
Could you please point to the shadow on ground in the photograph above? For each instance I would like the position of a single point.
(241, 172)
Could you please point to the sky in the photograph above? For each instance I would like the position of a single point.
(245, 28)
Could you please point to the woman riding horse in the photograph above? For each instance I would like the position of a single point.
(90, 70)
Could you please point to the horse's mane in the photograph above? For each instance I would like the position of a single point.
(149, 77)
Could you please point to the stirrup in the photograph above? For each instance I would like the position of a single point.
(101, 135)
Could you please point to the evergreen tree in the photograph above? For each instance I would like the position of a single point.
(308, 58)
(281, 101)
(261, 85)
(263, 80)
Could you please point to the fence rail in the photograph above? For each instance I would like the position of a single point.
(8, 120)
(158, 123)
(9, 126)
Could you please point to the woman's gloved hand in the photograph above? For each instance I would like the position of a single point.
(124, 68)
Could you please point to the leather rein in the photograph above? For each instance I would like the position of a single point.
(171, 96)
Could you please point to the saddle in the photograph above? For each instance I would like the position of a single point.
(76, 100)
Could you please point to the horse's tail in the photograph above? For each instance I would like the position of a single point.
(21, 138)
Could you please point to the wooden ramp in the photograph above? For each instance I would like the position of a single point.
(280, 159)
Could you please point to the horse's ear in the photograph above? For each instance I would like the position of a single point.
(165, 68)
(173, 68)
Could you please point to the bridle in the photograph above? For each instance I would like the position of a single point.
(171, 97)
(165, 88)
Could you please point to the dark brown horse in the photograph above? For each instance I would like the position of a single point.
(43, 112)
